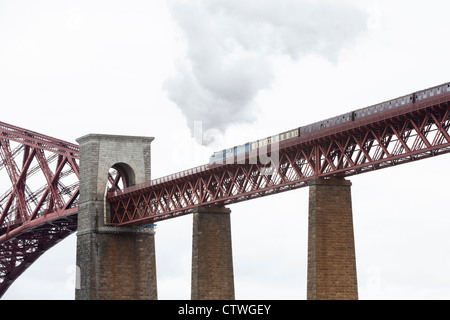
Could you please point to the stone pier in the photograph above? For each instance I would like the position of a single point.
(114, 263)
(212, 260)
(331, 245)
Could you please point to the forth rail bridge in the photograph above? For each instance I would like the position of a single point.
(101, 189)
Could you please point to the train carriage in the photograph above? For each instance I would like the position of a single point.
(356, 115)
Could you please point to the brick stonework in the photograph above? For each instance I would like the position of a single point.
(117, 265)
(331, 245)
(113, 263)
(212, 261)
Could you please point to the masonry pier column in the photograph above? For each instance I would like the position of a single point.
(114, 263)
(212, 260)
(331, 245)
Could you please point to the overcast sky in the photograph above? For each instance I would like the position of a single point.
(245, 69)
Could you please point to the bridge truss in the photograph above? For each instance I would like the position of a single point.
(413, 132)
(40, 175)
(38, 197)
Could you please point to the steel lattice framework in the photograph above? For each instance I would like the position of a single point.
(415, 131)
(40, 175)
(38, 207)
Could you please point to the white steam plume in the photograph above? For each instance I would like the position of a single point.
(230, 44)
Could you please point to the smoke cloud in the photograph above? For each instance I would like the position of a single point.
(230, 44)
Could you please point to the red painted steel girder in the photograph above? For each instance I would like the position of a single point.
(416, 131)
(38, 207)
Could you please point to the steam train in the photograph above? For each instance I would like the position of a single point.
(357, 115)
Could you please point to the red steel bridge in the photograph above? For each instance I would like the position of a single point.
(40, 174)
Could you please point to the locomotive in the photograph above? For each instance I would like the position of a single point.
(356, 115)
